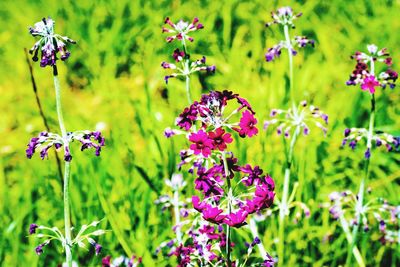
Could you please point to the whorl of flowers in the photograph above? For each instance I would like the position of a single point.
(50, 43)
(376, 213)
(365, 69)
(46, 140)
(183, 66)
(181, 30)
(83, 237)
(354, 135)
(298, 119)
(208, 125)
(284, 16)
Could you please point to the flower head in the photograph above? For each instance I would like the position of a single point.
(181, 30)
(364, 72)
(298, 119)
(283, 16)
(50, 43)
(202, 144)
(247, 125)
(32, 228)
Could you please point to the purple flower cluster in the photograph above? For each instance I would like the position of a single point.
(364, 72)
(46, 140)
(298, 119)
(181, 29)
(352, 136)
(375, 211)
(182, 68)
(50, 43)
(284, 16)
(121, 262)
(212, 183)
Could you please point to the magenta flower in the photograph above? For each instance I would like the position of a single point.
(213, 214)
(253, 175)
(220, 138)
(247, 125)
(202, 143)
(236, 219)
(369, 84)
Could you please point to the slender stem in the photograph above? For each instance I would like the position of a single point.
(350, 240)
(290, 56)
(67, 218)
(188, 89)
(228, 229)
(177, 217)
(360, 200)
(254, 232)
(283, 207)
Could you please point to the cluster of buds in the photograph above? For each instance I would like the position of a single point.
(298, 119)
(185, 67)
(84, 235)
(364, 72)
(49, 43)
(46, 140)
(353, 135)
(181, 29)
(121, 261)
(376, 212)
(284, 16)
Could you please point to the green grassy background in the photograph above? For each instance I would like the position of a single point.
(114, 76)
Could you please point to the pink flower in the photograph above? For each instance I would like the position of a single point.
(220, 139)
(369, 83)
(213, 214)
(237, 219)
(247, 125)
(202, 144)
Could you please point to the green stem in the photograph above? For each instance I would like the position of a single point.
(177, 217)
(254, 232)
(186, 68)
(365, 177)
(67, 218)
(228, 229)
(283, 207)
(290, 55)
(356, 252)
(188, 89)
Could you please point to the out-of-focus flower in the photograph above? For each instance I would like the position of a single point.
(298, 119)
(50, 43)
(283, 16)
(181, 30)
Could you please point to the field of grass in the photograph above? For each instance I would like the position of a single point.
(113, 79)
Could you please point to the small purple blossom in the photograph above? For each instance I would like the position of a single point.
(32, 228)
(180, 31)
(50, 43)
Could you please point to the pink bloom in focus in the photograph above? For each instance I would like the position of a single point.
(247, 125)
(237, 219)
(202, 144)
(213, 214)
(369, 83)
(220, 139)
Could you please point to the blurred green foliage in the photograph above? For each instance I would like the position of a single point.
(114, 76)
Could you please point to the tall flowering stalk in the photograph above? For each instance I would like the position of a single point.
(52, 47)
(183, 66)
(294, 121)
(364, 75)
(230, 192)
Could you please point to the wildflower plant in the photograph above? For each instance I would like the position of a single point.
(365, 75)
(183, 66)
(230, 192)
(53, 47)
(297, 119)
